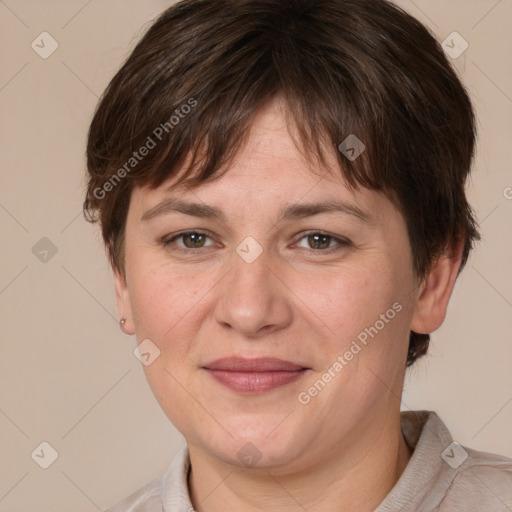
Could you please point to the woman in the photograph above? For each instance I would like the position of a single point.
(280, 186)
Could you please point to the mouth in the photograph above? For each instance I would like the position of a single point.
(254, 375)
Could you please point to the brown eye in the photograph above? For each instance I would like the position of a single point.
(196, 240)
(319, 241)
(190, 240)
(323, 242)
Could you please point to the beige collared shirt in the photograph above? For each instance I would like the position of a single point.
(441, 476)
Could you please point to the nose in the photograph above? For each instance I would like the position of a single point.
(252, 299)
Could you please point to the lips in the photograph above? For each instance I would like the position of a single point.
(254, 375)
(263, 364)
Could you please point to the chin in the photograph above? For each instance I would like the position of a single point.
(256, 446)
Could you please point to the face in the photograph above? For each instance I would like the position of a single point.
(271, 279)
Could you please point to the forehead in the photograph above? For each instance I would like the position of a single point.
(269, 169)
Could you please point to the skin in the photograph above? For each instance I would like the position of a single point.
(296, 302)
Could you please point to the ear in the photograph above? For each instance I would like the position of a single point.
(435, 291)
(123, 302)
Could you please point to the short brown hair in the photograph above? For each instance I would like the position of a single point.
(204, 68)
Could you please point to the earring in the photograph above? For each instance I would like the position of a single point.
(122, 322)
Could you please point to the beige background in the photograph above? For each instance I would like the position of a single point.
(68, 374)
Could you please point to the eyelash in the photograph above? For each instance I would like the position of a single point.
(341, 241)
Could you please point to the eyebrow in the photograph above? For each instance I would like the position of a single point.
(294, 211)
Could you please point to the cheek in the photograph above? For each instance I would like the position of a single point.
(167, 309)
(164, 303)
(348, 298)
(362, 314)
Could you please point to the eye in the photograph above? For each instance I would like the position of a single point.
(191, 240)
(322, 242)
(317, 241)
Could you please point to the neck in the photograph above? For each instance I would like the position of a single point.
(357, 476)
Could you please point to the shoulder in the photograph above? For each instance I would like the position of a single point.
(444, 476)
(147, 499)
(482, 482)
